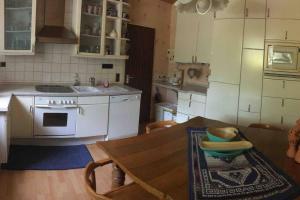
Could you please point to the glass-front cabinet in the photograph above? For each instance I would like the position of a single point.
(17, 25)
(102, 28)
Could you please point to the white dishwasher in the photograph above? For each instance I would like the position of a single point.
(124, 113)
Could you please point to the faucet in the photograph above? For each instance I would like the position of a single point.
(92, 81)
(77, 80)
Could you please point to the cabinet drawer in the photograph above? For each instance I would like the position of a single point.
(273, 88)
(183, 106)
(93, 100)
(184, 96)
(197, 109)
(199, 98)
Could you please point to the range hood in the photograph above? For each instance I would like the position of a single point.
(50, 20)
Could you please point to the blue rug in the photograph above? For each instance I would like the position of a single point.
(250, 176)
(47, 157)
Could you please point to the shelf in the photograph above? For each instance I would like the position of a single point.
(21, 31)
(112, 18)
(92, 15)
(19, 8)
(114, 1)
(111, 38)
(125, 20)
(91, 36)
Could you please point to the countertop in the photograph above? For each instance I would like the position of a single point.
(8, 90)
(198, 89)
(29, 90)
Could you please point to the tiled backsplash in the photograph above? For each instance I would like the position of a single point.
(54, 63)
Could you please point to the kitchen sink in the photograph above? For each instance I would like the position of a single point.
(86, 89)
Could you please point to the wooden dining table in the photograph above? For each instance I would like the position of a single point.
(158, 162)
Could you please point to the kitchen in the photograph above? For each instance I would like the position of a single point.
(63, 72)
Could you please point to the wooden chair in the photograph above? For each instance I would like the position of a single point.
(266, 126)
(126, 192)
(159, 125)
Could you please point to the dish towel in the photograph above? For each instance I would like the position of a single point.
(249, 176)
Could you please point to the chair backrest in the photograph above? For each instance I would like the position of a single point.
(266, 126)
(159, 125)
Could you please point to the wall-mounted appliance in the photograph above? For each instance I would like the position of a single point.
(282, 58)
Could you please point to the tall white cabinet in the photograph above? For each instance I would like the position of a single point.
(17, 27)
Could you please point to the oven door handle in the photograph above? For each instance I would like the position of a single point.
(55, 107)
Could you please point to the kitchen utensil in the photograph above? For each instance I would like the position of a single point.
(221, 134)
(113, 33)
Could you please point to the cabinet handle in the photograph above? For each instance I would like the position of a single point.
(79, 110)
(282, 103)
(283, 85)
(268, 12)
(249, 108)
(31, 109)
(215, 14)
(281, 119)
(190, 104)
(195, 59)
(286, 35)
(246, 12)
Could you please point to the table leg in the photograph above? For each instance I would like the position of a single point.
(118, 177)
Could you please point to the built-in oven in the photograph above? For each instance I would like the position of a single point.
(55, 116)
(282, 57)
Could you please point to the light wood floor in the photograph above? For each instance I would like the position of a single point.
(57, 185)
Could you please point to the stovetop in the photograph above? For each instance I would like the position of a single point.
(54, 89)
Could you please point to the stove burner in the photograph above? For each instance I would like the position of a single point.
(53, 89)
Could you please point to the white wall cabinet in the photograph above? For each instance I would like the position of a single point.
(235, 9)
(193, 38)
(278, 9)
(254, 34)
(255, 9)
(222, 102)
(92, 119)
(17, 27)
(281, 88)
(227, 51)
(22, 117)
(251, 81)
(283, 30)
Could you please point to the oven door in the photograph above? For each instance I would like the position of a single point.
(282, 58)
(55, 120)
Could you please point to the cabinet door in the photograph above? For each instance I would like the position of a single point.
(247, 118)
(186, 37)
(254, 34)
(235, 9)
(183, 106)
(256, 8)
(22, 117)
(18, 22)
(293, 30)
(92, 120)
(283, 9)
(181, 118)
(273, 88)
(204, 38)
(227, 51)
(251, 80)
(271, 111)
(291, 112)
(197, 109)
(222, 102)
(292, 89)
(276, 29)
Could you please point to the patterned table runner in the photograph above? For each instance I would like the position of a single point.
(249, 176)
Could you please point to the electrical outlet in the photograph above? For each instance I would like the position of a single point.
(2, 64)
(171, 55)
(107, 66)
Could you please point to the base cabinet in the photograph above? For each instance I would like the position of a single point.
(92, 120)
(22, 117)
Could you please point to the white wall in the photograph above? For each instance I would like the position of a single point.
(53, 63)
